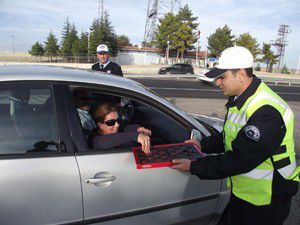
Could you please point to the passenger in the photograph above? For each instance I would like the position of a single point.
(83, 100)
(108, 135)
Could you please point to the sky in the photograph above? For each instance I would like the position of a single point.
(26, 21)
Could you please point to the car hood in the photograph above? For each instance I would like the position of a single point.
(212, 121)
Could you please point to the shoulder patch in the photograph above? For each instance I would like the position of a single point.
(252, 132)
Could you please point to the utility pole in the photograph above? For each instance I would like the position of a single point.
(13, 43)
(100, 10)
(167, 51)
(198, 44)
(298, 66)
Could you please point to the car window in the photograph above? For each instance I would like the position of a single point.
(165, 130)
(27, 121)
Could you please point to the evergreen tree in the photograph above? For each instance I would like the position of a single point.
(268, 57)
(285, 70)
(102, 33)
(70, 40)
(83, 43)
(220, 40)
(188, 29)
(37, 49)
(247, 41)
(179, 30)
(51, 46)
(66, 45)
(166, 31)
(123, 40)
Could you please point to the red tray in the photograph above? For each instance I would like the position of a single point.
(162, 155)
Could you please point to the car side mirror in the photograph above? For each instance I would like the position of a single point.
(196, 134)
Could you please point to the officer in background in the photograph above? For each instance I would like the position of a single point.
(105, 64)
(256, 145)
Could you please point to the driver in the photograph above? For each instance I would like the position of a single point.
(108, 135)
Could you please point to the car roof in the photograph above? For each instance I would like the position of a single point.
(64, 74)
(51, 73)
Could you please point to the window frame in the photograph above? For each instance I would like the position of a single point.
(74, 121)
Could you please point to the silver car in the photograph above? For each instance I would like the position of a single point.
(49, 175)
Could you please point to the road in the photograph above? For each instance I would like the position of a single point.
(192, 96)
(196, 89)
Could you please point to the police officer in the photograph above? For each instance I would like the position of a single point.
(105, 64)
(256, 145)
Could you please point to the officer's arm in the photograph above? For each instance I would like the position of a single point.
(120, 72)
(213, 144)
(248, 151)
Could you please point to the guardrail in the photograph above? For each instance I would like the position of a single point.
(276, 81)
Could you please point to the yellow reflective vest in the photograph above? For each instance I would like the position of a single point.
(255, 186)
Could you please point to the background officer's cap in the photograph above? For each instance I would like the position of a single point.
(102, 49)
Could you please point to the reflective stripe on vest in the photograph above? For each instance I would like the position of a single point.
(255, 186)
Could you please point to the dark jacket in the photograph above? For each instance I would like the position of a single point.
(111, 67)
(123, 139)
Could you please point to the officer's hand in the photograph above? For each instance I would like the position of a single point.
(194, 142)
(181, 164)
(144, 140)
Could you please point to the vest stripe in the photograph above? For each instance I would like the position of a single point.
(287, 115)
(287, 170)
(259, 174)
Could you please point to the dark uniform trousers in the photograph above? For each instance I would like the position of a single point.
(111, 67)
(240, 212)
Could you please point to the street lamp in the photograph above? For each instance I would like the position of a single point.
(167, 51)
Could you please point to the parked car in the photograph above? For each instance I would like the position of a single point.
(49, 175)
(201, 77)
(178, 68)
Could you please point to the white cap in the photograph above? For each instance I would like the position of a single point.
(236, 57)
(102, 49)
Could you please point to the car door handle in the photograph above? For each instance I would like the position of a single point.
(101, 178)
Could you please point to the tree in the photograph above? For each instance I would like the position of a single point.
(37, 49)
(83, 43)
(285, 70)
(268, 57)
(188, 30)
(247, 41)
(179, 30)
(220, 40)
(102, 33)
(123, 40)
(70, 41)
(166, 31)
(51, 46)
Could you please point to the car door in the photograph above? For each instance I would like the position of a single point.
(115, 192)
(40, 181)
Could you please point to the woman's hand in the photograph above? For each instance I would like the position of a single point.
(144, 130)
(144, 140)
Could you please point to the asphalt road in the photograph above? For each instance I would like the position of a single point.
(195, 90)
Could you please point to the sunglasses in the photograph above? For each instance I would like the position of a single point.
(112, 122)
